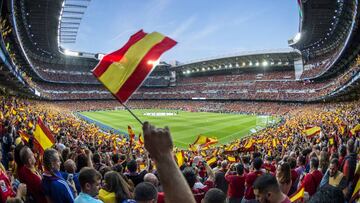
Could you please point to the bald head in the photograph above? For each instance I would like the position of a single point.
(151, 178)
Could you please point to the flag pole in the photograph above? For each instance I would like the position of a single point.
(129, 110)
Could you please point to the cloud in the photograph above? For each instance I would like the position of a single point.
(183, 27)
(123, 33)
(154, 9)
(208, 30)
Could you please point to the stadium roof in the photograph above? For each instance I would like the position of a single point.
(41, 28)
(317, 20)
(266, 58)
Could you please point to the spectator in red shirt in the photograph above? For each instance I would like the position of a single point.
(342, 153)
(30, 176)
(236, 183)
(312, 180)
(249, 196)
(294, 176)
(267, 190)
(268, 166)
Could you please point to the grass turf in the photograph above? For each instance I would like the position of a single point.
(185, 126)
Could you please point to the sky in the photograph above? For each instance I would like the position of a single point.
(202, 28)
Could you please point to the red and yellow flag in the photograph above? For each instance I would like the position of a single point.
(355, 130)
(356, 194)
(231, 159)
(299, 194)
(180, 158)
(43, 135)
(24, 136)
(123, 71)
(312, 131)
(211, 160)
(203, 142)
(141, 139)
(131, 135)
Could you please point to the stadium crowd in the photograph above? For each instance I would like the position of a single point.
(87, 164)
(211, 87)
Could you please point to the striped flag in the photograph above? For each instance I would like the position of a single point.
(211, 160)
(231, 159)
(131, 134)
(356, 194)
(312, 131)
(299, 194)
(24, 136)
(43, 135)
(180, 158)
(141, 139)
(123, 71)
(203, 142)
(355, 130)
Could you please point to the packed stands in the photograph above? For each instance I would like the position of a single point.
(338, 123)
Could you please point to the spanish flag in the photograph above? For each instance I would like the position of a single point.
(299, 194)
(131, 134)
(356, 194)
(312, 131)
(24, 136)
(141, 139)
(231, 159)
(180, 158)
(123, 71)
(203, 142)
(211, 160)
(355, 130)
(43, 135)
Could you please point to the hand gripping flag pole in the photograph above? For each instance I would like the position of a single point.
(122, 72)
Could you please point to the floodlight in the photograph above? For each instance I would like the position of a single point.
(297, 37)
(71, 53)
(153, 62)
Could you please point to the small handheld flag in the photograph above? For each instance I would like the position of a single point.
(43, 135)
(123, 71)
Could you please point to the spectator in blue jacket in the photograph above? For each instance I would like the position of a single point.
(56, 188)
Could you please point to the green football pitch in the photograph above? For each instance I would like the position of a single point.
(185, 126)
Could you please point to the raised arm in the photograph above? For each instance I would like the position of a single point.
(209, 171)
(159, 144)
(229, 170)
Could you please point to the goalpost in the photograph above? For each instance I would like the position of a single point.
(119, 108)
